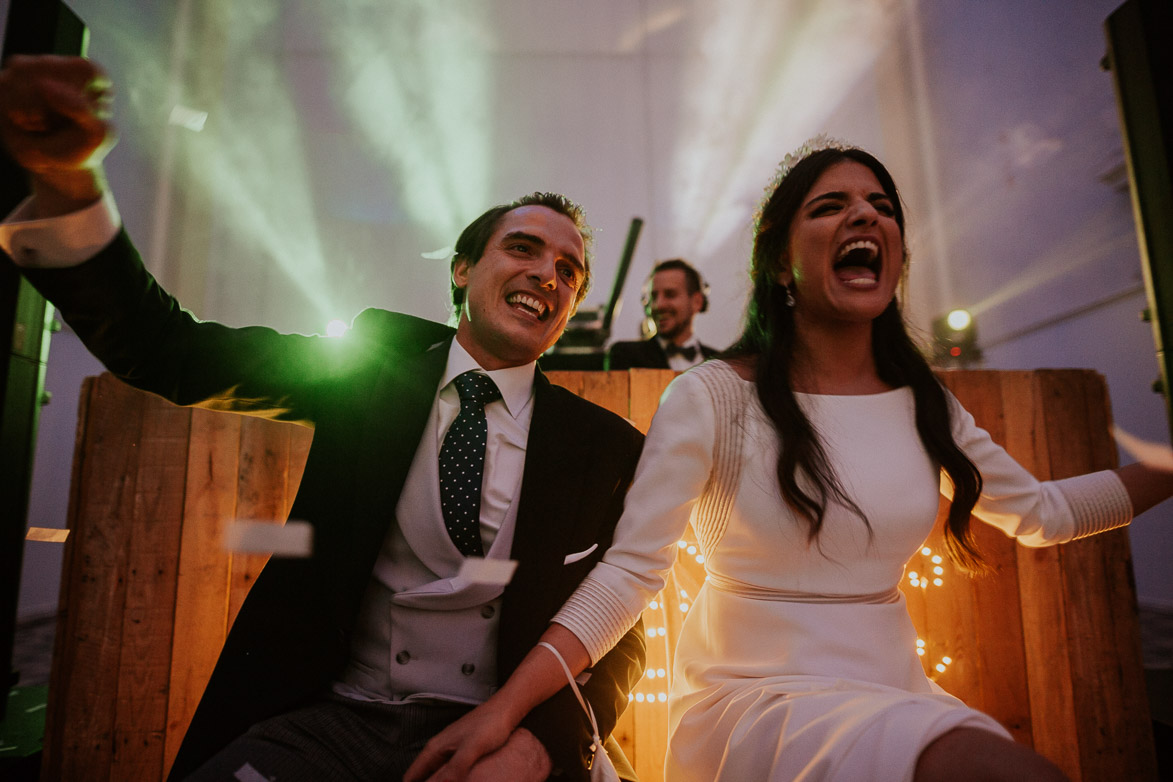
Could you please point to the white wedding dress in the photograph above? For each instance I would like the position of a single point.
(798, 661)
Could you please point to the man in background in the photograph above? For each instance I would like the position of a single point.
(673, 295)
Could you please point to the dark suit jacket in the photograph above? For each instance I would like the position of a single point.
(367, 395)
(644, 354)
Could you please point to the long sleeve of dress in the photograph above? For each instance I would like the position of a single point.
(672, 473)
(1036, 513)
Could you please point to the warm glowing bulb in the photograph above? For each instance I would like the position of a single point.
(958, 320)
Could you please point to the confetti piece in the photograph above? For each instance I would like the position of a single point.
(294, 539)
(1156, 455)
(47, 534)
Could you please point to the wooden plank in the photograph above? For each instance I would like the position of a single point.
(650, 715)
(651, 737)
(201, 602)
(86, 690)
(608, 390)
(998, 683)
(149, 611)
(1120, 651)
(571, 381)
(951, 630)
(64, 653)
(1064, 404)
(646, 388)
(261, 493)
(916, 597)
(1053, 719)
(1105, 725)
(950, 633)
(999, 641)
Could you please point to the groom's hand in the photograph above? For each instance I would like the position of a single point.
(55, 122)
(522, 759)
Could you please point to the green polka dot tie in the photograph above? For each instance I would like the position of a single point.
(462, 463)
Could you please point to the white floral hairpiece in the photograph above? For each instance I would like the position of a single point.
(809, 147)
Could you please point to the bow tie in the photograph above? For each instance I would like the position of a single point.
(687, 353)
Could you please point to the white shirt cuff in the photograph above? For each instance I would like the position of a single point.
(59, 242)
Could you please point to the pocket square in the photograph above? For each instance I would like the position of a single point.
(572, 558)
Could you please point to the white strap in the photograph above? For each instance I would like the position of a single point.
(582, 702)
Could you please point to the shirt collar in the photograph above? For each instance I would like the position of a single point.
(515, 383)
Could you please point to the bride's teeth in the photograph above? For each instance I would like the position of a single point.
(862, 244)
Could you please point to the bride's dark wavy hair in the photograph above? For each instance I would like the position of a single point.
(768, 341)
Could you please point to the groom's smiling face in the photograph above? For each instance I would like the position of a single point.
(524, 288)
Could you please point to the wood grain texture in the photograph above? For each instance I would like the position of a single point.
(148, 617)
(202, 581)
(260, 497)
(83, 698)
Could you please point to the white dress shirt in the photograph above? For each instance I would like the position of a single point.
(59, 242)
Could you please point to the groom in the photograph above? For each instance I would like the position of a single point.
(342, 664)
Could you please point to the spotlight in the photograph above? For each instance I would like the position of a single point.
(958, 320)
(336, 328)
(955, 340)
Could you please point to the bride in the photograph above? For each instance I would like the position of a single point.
(809, 461)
